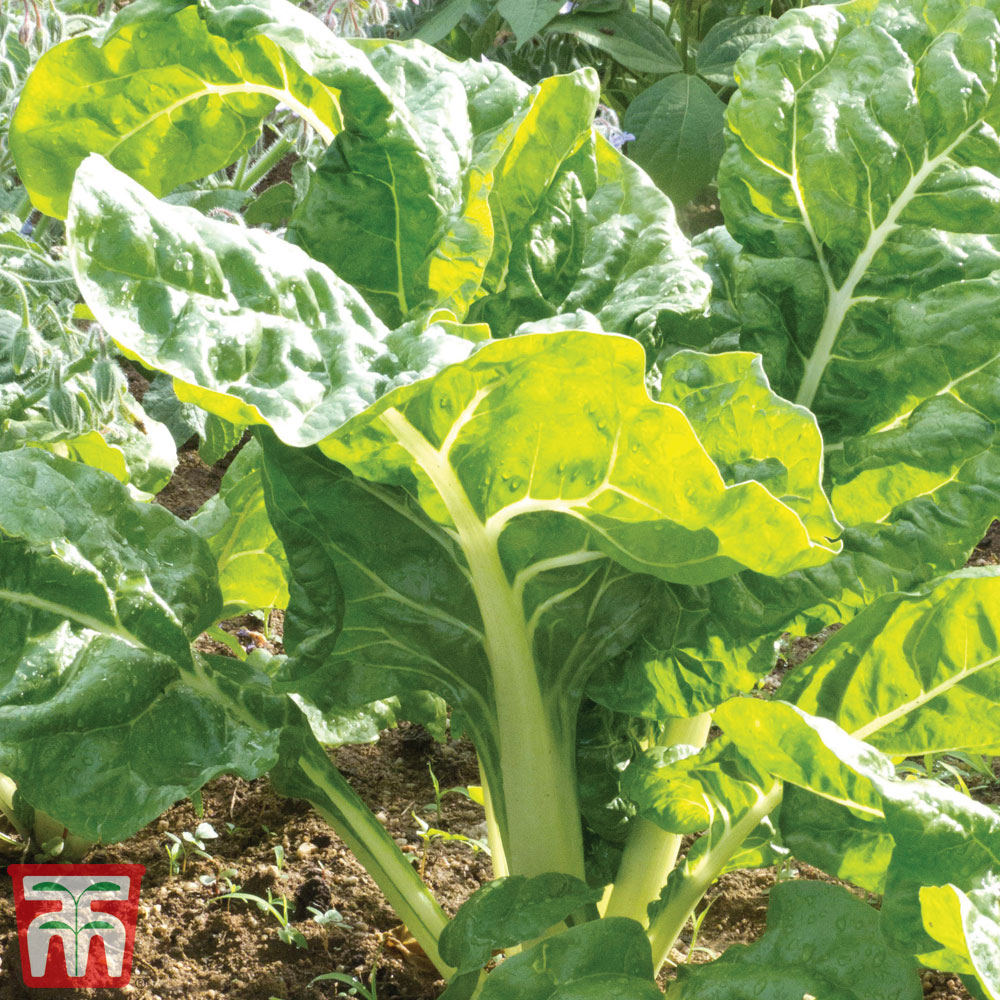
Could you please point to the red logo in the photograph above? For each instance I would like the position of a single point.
(76, 923)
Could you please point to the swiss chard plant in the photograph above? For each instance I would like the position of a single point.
(507, 459)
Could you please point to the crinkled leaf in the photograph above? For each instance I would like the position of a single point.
(845, 844)
(726, 398)
(508, 911)
(401, 212)
(942, 838)
(251, 329)
(602, 958)
(860, 179)
(511, 405)
(162, 98)
(603, 241)
(913, 673)
(101, 598)
(968, 925)
(820, 941)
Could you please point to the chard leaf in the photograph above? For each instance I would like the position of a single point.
(162, 98)
(860, 184)
(914, 673)
(843, 843)
(253, 571)
(462, 530)
(724, 397)
(601, 958)
(107, 714)
(508, 911)
(808, 751)
(402, 213)
(940, 836)
(820, 941)
(603, 240)
(968, 926)
(480, 445)
(943, 838)
(252, 329)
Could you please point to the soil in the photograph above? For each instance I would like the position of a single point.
(191, 945)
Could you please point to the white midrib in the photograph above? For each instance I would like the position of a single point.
(541, 811)
(841, 299)
(223, 90)
(922, 699)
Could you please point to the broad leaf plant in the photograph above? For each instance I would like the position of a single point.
(520, 449)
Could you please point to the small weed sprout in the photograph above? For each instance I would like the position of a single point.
(181, 849)
(278, 908)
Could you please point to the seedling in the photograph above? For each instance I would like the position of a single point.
(181, 849)
(278, 908)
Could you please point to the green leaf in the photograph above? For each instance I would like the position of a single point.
(94, 925)
(820, 941)
(943, 838)
(218, 439)
(682, 790)
(968, 926)
(102, 597)
(556, 125)
(913, 673)
(508, 911)
(398, 206)
(518, 400)
(55, 925)
(677, 124)
(439, 25)
(273, 206)
(863, 190)
(103, 887)
(200, 104)
(602, 243)
(602, 958)
(513, 495)
(291, 345)
(51, 887)
(107, 715)
(527, 17)
(843, 843)
(723, 397)
(253, 571)
(726, 41)
(629, 38)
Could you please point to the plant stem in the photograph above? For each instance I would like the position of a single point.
(651, 852)
(696, 878)
(356, 825)
(493, 838)
(685, 29)
(269, 159)
(23, 208)
(535, 792)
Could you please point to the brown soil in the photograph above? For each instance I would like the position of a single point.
(190, 946)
